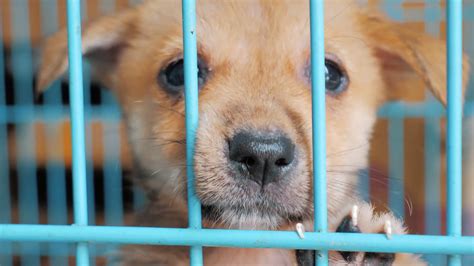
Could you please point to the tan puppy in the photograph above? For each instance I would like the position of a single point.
(253, 153)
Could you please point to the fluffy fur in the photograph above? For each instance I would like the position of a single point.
(258, 54)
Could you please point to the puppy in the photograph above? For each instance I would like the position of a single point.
(253, 151)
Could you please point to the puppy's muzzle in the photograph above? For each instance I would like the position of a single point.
(261, 157)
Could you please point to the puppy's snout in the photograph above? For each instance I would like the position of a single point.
(264, 158)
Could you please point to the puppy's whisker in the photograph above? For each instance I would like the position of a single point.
(332, 19)
(344, 152)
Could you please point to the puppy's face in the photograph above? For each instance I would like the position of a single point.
(253, 153)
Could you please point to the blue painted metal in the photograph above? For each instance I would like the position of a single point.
(394, 9)
(364, 184)
(433, 181)
(113, 201)
(102, 250)
(395, 134)
(90, 112)
(87, 82)
(5, 202)
(239, 238)
(112, 169)
(454, 115)
(318, 90)
(55, 169)
(432, 155)
(77, 121)
(396, 174)
(25, 132)
(57, 114)
(23, 113)
(192, 117)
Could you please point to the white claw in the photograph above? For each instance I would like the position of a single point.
(355, 215)
(388, 229)
(300, 230)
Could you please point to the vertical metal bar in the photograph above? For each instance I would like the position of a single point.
(5, 201)
(192, 117)
(364, 184)
(25, 132)
(433, 182)
(432, 147)
(396, 141)
(112, 167)
(55, 169)
(89, 149)
(56, 178)
(396, 165)
(454, 115)
(318, 90)
(111, 161)
(77, 117)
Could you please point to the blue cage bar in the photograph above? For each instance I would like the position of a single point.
(318, 85)
(81, 233)
(77, 120)
(454, 114)
(192, 117)
(239, 238)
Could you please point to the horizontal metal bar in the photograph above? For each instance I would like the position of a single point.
(238, 238)
(65, 250)
(421, 109)
(23, 114)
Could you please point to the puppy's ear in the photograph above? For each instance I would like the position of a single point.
(102, 42)
(402, 50)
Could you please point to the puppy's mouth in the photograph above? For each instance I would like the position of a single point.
(247, 205)
(251, 219)
(260, 181)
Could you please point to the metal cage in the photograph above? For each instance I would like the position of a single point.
(83, 235)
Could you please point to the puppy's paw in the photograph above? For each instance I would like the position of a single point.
(361, 218)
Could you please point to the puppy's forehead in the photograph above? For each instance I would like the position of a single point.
(237, 28)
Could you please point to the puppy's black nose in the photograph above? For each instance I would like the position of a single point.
(264, 158)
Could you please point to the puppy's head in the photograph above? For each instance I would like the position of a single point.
(253, 152)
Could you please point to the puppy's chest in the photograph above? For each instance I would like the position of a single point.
(234, 256)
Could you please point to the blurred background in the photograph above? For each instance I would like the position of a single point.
(407, 172)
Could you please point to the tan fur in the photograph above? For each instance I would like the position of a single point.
(257, 51)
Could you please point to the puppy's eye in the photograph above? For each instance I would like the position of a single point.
(336, 78)
(171, 77)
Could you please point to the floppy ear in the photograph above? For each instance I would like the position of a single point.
(402, 50)
(102, 42)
